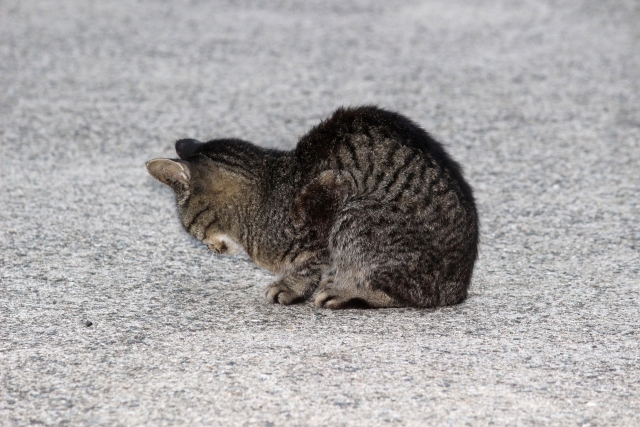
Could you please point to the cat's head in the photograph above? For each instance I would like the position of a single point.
(210, 196)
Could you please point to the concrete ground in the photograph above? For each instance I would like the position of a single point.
(539, 101)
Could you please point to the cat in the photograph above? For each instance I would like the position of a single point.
(368, 209)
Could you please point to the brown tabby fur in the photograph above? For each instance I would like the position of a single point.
(368, 209)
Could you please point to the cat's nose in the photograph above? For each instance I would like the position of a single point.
(187, 147)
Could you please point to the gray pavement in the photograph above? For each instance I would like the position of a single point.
(539, 101)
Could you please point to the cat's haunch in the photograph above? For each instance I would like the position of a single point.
(368, 209)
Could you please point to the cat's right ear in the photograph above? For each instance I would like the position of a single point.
(173, 173)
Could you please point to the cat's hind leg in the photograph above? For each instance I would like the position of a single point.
(341, 299)
(363, 245)
(336, 292)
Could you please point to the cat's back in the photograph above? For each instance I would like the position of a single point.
(380, 145)
(359, 128)
(370, 131)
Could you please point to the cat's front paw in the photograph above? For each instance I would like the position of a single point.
(278, 293)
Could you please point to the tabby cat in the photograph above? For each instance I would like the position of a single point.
(368, 209)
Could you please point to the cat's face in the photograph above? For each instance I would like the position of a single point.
(209, 199)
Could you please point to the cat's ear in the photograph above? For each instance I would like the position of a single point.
(173, 173)
(187, 147)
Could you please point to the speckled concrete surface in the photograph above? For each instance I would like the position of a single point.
(537, 99)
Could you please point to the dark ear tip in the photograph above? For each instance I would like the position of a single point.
(187, 147)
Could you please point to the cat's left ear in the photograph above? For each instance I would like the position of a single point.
(173, 173)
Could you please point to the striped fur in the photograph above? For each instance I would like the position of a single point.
(368, 209)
